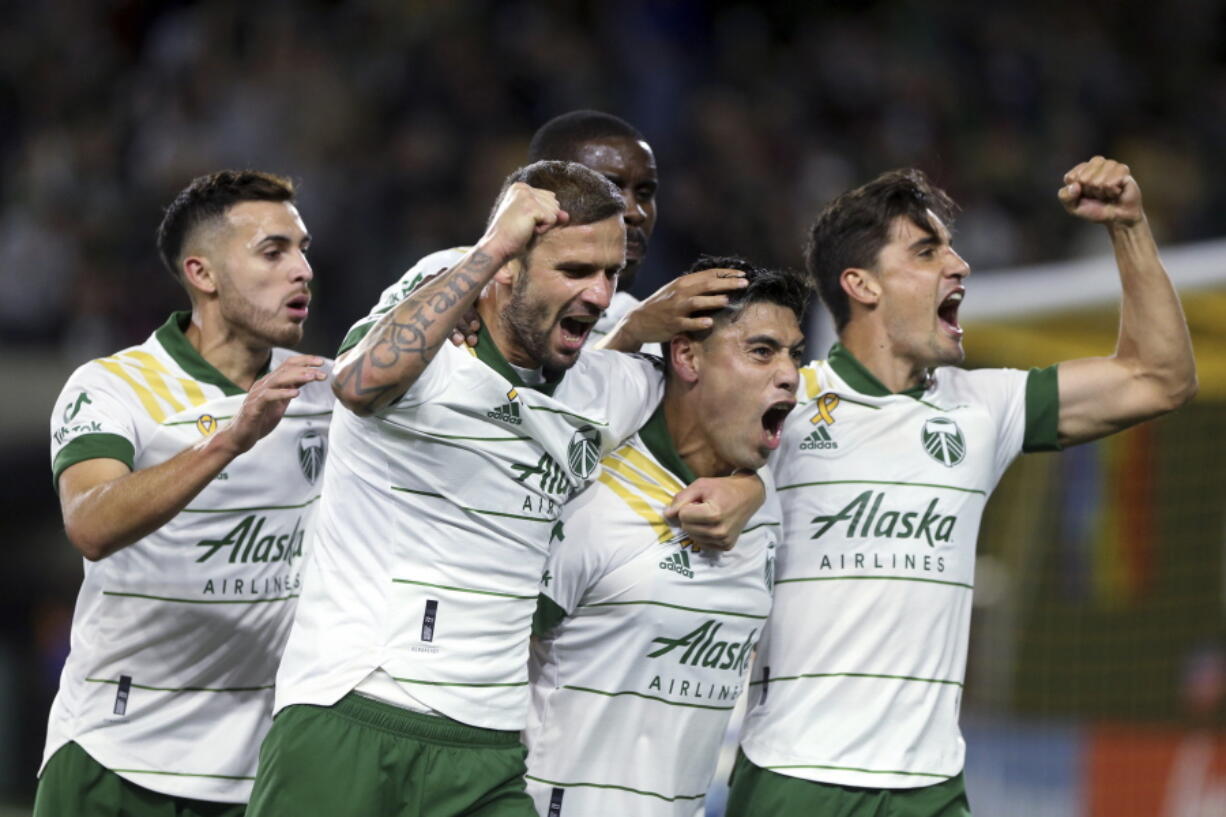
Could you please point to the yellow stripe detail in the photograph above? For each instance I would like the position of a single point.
(158, 385)
(146, 397)
(811, 385)
(191, 388)
(651, 489)
(639, 506)
(648, 467)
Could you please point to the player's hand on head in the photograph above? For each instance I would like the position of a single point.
(714, 511)
(523, 213)
(270, 396)
(672, 309)
(1103, 191)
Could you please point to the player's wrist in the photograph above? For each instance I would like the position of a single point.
(225, 445)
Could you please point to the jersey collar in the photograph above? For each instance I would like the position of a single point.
(176, 344)
(489, 354)
(660, 443)
(860, 378)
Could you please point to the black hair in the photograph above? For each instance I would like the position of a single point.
(208, 198)
(559, 137)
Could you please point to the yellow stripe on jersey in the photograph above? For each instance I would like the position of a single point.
(648, 467)
(191, 388)
(158, 385)
(639, 506)
(617, 465)
(146, 397)
(812, 387)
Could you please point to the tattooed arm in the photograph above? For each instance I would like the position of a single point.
(382, 367)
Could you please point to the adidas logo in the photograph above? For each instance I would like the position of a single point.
(678, 563)
(507, 413)
(819, 438)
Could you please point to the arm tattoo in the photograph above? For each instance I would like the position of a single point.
(402, 333)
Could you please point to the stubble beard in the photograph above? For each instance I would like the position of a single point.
(525, 319)
(257, 324)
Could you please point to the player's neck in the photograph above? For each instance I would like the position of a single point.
(875, 353)
(690, 438)
(491, 307)
(235, 356)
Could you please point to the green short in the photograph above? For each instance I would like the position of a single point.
(758, 792)
(75, 785)
(360, 757)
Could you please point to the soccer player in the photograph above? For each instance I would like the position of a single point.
(883, 474)
(616, 150)
(187, 468)
(404, 684)
(644, 641)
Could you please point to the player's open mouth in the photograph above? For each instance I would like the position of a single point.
(772, 422)
(297, 307)
(947, 312)
(574, 331)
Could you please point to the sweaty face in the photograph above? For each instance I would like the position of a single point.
(921, 279)
(569, 277)
(631, 166)
(747, 377)
(261, 270)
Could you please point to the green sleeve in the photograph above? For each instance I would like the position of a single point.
(355, 336)
(548, 615)
(92, 447)
(1042, 411)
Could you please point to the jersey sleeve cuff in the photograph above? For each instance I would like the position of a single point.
(1042, 411)
(547, 616)
(355, 336)
(92, 447)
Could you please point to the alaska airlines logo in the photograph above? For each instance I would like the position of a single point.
(865, 518)
(552, 478)
(943, 441)
(248, 543)
(703, 649)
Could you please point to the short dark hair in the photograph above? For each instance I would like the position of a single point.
(851, 231)
(585, 195)
(558, 138)
(787, 288)
(208, 198)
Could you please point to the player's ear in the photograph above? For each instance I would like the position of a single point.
(511, 270)
(861, 285)
(198, 274)
(685, 357)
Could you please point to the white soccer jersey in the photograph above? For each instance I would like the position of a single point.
(644, 643)
(176, 638)
(859, 676)
(435, 524)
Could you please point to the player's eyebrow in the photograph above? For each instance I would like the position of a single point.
(929, 240)
(766, 340)
(283, 240)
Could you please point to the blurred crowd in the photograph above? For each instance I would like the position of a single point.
(399, 118)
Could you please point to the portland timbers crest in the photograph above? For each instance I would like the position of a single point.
(584, 451)
(943, 441)
(312, 448)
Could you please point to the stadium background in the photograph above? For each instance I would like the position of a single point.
(1097, 678)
